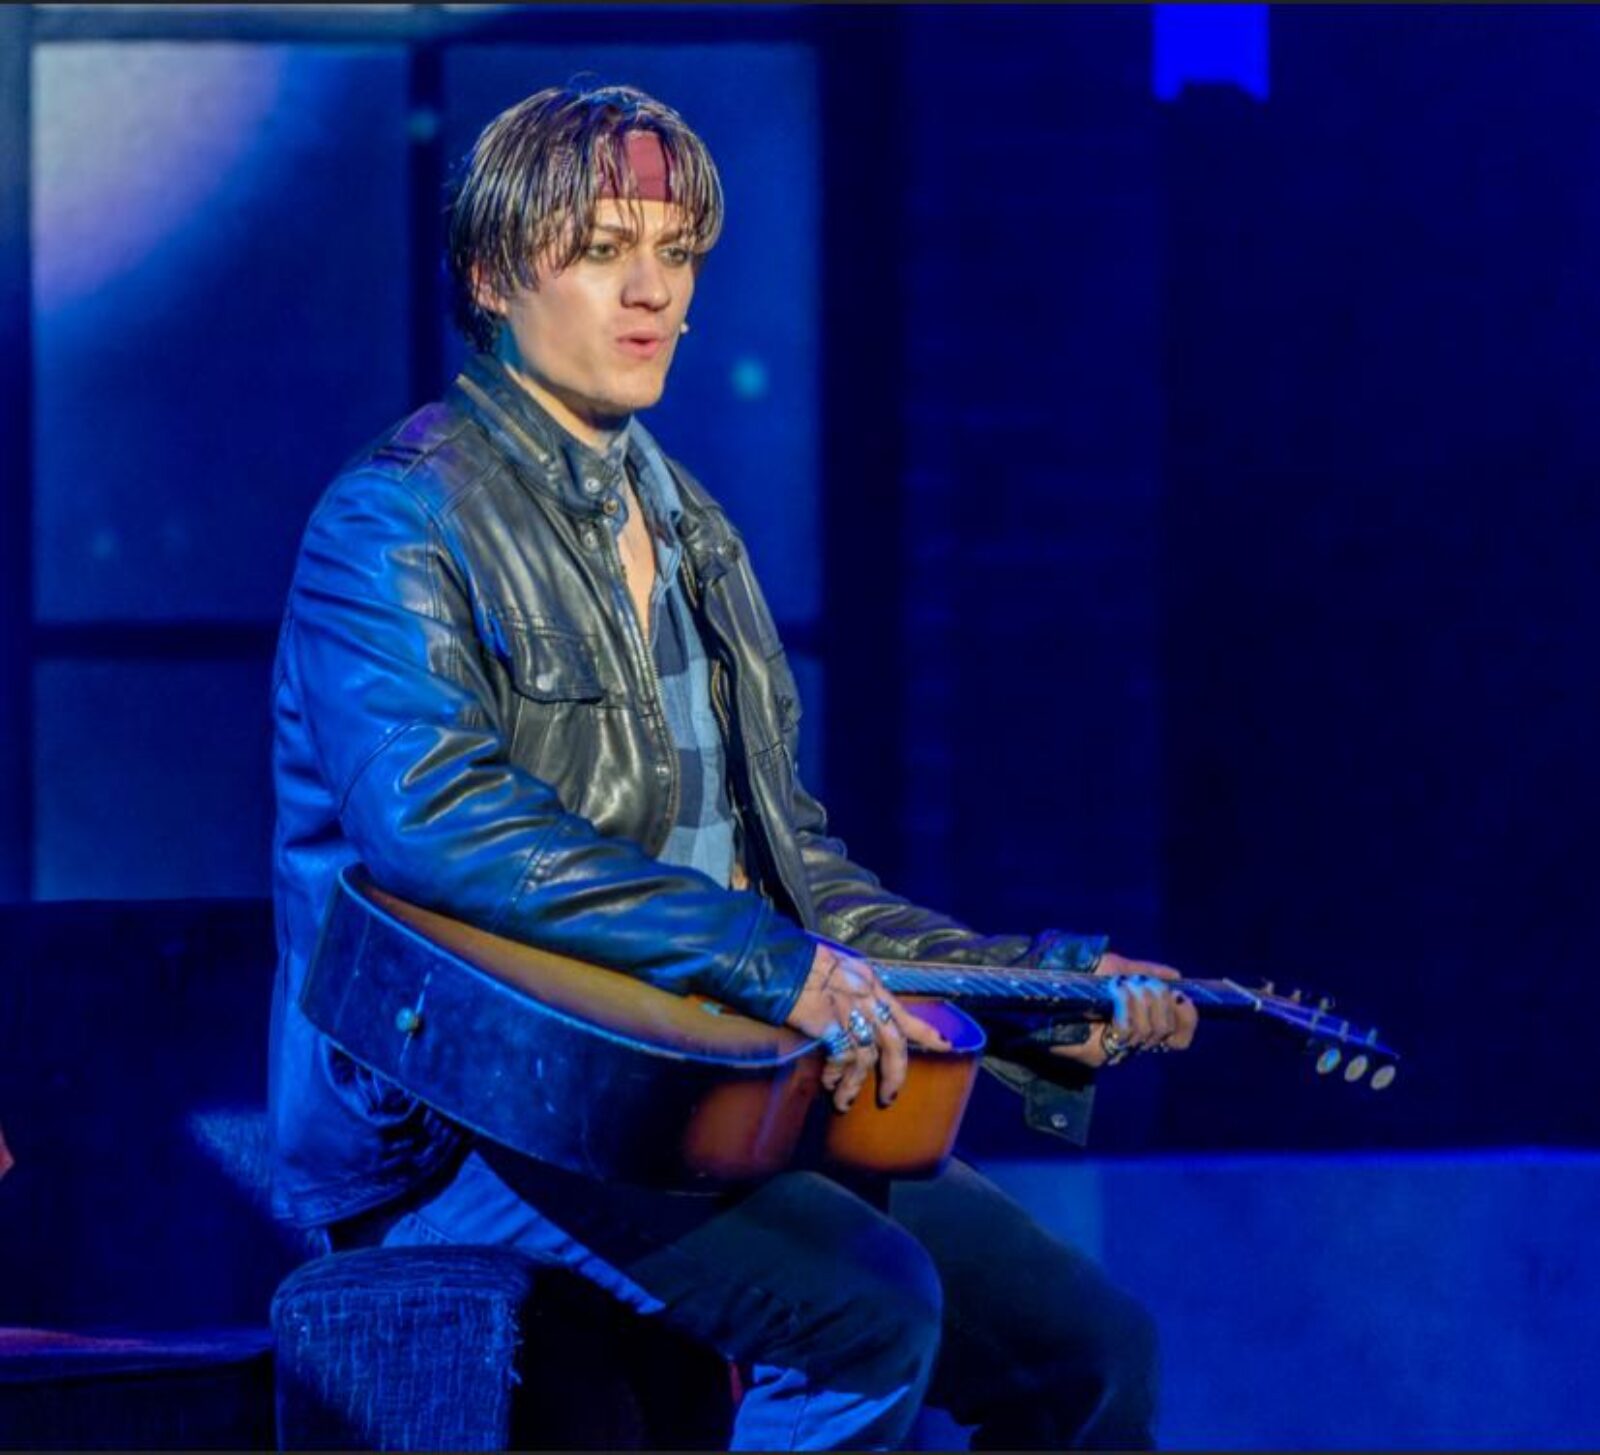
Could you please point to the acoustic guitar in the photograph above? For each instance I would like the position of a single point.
(600, 1073)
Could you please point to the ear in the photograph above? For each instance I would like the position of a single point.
(488, 297)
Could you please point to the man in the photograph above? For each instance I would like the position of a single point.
(527, 677)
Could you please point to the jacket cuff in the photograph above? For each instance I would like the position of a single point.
(1059, 950)
(767, 980)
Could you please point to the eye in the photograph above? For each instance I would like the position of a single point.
(676, 255)
(600, 252)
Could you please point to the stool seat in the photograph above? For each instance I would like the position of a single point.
(478, 1348)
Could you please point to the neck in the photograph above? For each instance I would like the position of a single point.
(598, 431)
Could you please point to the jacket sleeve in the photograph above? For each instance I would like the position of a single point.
(406, 730)
(855, 909)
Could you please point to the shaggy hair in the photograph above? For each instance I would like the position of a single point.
(527, 192)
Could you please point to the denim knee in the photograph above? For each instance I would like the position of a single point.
(1132, 1363)
(1123, 1377)
(885, 1324)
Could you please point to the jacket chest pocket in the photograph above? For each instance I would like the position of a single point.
(549, 667)
(558, 698)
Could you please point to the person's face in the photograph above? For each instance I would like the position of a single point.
(596, 339)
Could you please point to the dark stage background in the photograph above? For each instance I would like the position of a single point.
(1168, 435)
(1178, 492)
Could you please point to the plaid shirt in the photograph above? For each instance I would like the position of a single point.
(702, 836)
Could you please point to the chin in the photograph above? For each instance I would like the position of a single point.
(630, 401)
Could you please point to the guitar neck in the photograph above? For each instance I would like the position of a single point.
(1077, 995)
(1065, 992)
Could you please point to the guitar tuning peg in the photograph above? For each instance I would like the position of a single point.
(1356, 1069)
(1372, 1036)
(1382, 1078)
(1325, 1004)
(1329, 1061)
(1268, 988)
(1297, 995)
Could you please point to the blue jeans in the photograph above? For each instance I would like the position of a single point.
(849, 1305)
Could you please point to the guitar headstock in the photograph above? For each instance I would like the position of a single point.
(1338, 1045)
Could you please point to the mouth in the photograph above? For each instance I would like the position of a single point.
(642, 345)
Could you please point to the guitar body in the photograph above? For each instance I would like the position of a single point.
(602, 1074)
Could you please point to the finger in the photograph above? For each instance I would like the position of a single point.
(916, 1030)
(1188, 1021)
(893, 1059)
(834, 1067)
(909, 1026)
(1141, 1013)
(1130, 1021)
(1163, 1014)
(838, 1080)
(862, 1061)
(857, 1066)
(1120, 1006)
(1162, 1019)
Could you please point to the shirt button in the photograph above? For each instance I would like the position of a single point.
(610, 505)
(591, 486)
(589, 539)
(544, 681)
(1058, 1119)
(661, 770)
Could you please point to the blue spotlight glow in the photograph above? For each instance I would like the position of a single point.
(107, 197)
(1215, 44)
(749, 378)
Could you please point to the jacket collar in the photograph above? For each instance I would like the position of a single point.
(556, 463)
(550, 458)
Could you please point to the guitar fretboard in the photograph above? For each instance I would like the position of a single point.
(1064, 988)
(1090, 996)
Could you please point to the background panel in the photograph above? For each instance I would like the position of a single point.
(220, 283)
(152, 779)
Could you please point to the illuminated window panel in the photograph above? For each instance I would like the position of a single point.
(221, 250)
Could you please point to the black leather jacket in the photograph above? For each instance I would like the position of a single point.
(457, 706)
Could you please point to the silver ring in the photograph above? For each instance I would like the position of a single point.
(1116, 1047)
(860, 1027)
(837, 1039)
(884, 1011)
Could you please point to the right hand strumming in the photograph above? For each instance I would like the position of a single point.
(878, 1035)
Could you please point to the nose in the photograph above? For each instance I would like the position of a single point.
(646, 284)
